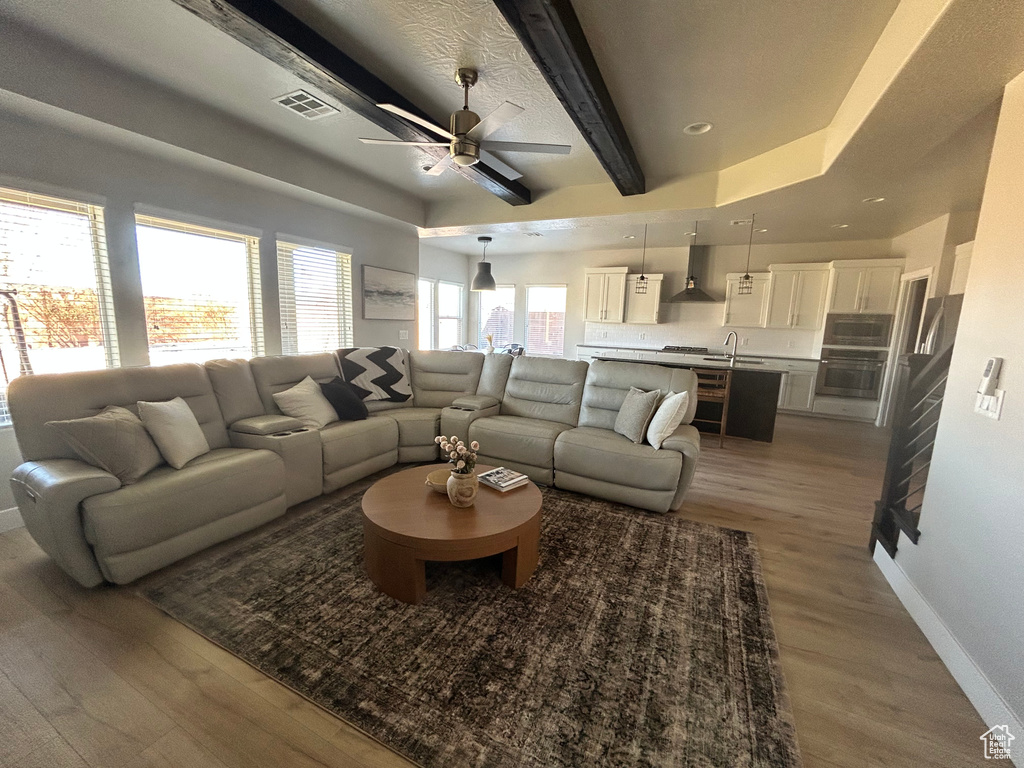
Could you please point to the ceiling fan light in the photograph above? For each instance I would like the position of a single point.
(483, 281)
(465, 160)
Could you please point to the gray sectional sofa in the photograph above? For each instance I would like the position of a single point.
(551, 419)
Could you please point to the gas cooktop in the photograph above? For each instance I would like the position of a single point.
(686, 350)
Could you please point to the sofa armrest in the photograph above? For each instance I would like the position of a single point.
(266, 425)
(456, 421)
(302, 452)
(48, 494)
(685, 440)
(474, 402)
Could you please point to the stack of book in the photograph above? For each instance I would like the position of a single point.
(503, 479)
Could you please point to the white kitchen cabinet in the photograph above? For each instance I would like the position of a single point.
(604, 299)
(643, 307)
(796, 296)
(864, 288)
(797, 391)
(746, 310)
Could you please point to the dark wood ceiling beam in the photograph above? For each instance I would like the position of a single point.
(551, 33)
(273, 32)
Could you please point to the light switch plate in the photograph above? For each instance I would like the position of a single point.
(403, 335)
(990, 405)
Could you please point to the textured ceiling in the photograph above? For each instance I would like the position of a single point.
(762, 73)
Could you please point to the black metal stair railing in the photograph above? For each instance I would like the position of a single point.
(917, 396)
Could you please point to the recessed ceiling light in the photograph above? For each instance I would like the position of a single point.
(760, 230)
(840, 226)
(695, 129)
(629, 237)
(689, 234)
(873, 200)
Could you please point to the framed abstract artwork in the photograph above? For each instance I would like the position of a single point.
(388, 294)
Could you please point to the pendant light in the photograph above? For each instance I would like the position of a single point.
(483, 280)
(746, 284)
(641, 282)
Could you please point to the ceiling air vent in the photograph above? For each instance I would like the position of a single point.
(305, 104)
(740, 222)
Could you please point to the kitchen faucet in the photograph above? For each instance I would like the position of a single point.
(735, 341)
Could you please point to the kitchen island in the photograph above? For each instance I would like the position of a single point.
(753, 396)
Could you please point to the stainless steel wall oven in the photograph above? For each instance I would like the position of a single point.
(851, 373)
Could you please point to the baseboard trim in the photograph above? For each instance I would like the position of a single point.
(977, 687)
(10, 519)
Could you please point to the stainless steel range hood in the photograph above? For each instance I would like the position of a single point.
(697, 270)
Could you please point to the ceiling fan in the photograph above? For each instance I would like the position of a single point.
(467, 140)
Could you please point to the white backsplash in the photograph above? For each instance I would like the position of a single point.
(700, 325)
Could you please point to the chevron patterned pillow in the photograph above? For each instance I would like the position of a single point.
(376, 373)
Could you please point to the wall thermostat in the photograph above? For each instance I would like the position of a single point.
(990, 378)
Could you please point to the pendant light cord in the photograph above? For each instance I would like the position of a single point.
(750, 245)
(643, 258)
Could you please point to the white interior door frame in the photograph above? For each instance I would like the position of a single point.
(900, 330)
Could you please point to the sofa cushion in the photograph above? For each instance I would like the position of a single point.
(35, 400)
(277, 373)
(636, 413)
(168, 502)
(344, 400)
(608, 456)
(668, 417)
(438, 377)
(114, 440)
(346, 443)
(376, 373)
(235, 389)
(416, 426)
(608, 383)
(517, 439)
(544, 388)
(306, 402)
(175, 430)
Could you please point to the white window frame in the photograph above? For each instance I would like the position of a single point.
(526, 319)
(184, 223)
(480, 314)
(100, 263)
(286, 245)
(435, 310)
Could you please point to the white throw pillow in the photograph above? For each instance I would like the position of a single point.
(668, 417)
(175, 430)
(306, 402)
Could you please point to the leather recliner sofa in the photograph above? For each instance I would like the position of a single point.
(551, 419)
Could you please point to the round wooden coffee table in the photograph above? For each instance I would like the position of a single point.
(405, 523)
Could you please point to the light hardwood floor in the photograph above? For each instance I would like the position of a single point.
(100, 678)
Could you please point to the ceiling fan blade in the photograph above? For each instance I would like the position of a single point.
(416, 119)
(494, 121)
(505, 170)
(438, 168)
(405, 143)
(525, 146)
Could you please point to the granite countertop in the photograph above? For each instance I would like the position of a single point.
(740, 365)
(749, 355)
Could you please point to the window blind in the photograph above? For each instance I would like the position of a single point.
(545, 319)
(201, 289)
(56, 313)
(425, 313)
(315, 288)
(497, 315)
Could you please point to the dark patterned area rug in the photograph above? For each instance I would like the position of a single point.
(642, 640)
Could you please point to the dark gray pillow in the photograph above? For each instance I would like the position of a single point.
(636, 413)
(113, 440)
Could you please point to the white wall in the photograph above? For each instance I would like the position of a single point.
(932, 246)
(48, 159)
(969, 565)
(689, 324)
